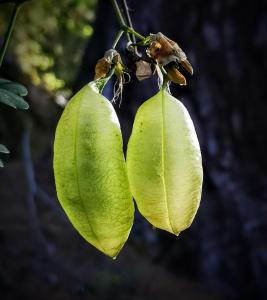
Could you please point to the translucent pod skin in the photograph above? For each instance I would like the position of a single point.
(164, 163)
(90, 171)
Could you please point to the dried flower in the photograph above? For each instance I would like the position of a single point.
(143, 70)
(102, 68)
(165, 51)
(104, 65)
(175, 76)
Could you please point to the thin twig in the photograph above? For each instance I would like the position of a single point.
(9, 31)
(132, 31)
(120, 18)
(128, 18)
(122, 23)
(117, 38)
(118, 13)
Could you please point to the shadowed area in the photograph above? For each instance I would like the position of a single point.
(223, 255)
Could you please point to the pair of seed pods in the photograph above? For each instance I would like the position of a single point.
(163, 170)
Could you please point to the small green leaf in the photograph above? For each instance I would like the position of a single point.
(3, 149)
(2, 80)
(12, 99)
(13, 87)
(100, 83)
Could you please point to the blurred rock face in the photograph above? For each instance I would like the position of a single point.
(226, 248)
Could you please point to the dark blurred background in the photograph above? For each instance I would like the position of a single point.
(223, 255)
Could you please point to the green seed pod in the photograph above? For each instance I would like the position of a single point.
(164, 163)
(90, 171)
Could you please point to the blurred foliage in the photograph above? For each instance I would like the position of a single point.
(49, 39)
(3, 149)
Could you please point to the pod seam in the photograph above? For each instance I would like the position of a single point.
(163, 158)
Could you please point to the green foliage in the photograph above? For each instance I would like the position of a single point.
(11, 94)
(164, 163)
(49, 39)
(13, 87)
(3, 149)
(90, 171)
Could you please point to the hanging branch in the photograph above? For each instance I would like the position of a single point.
(123, 24)
(9, 31)
(120, 18)
(128, 18)
(117, 38)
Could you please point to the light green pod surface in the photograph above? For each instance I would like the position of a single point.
(164, 163)
(90, 171)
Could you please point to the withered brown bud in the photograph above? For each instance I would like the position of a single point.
(102, 68)
(175, 76)
(143, 70)
(164, 51)
(104, 64)
(186, 64)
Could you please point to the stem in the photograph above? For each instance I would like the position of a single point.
(120, 17)
(163, 71)
(132, 31)
(122, 23)
(165, 77)
(9, 31)
(118, 13)
(100, 83)
(128, 18)
(117, 38)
